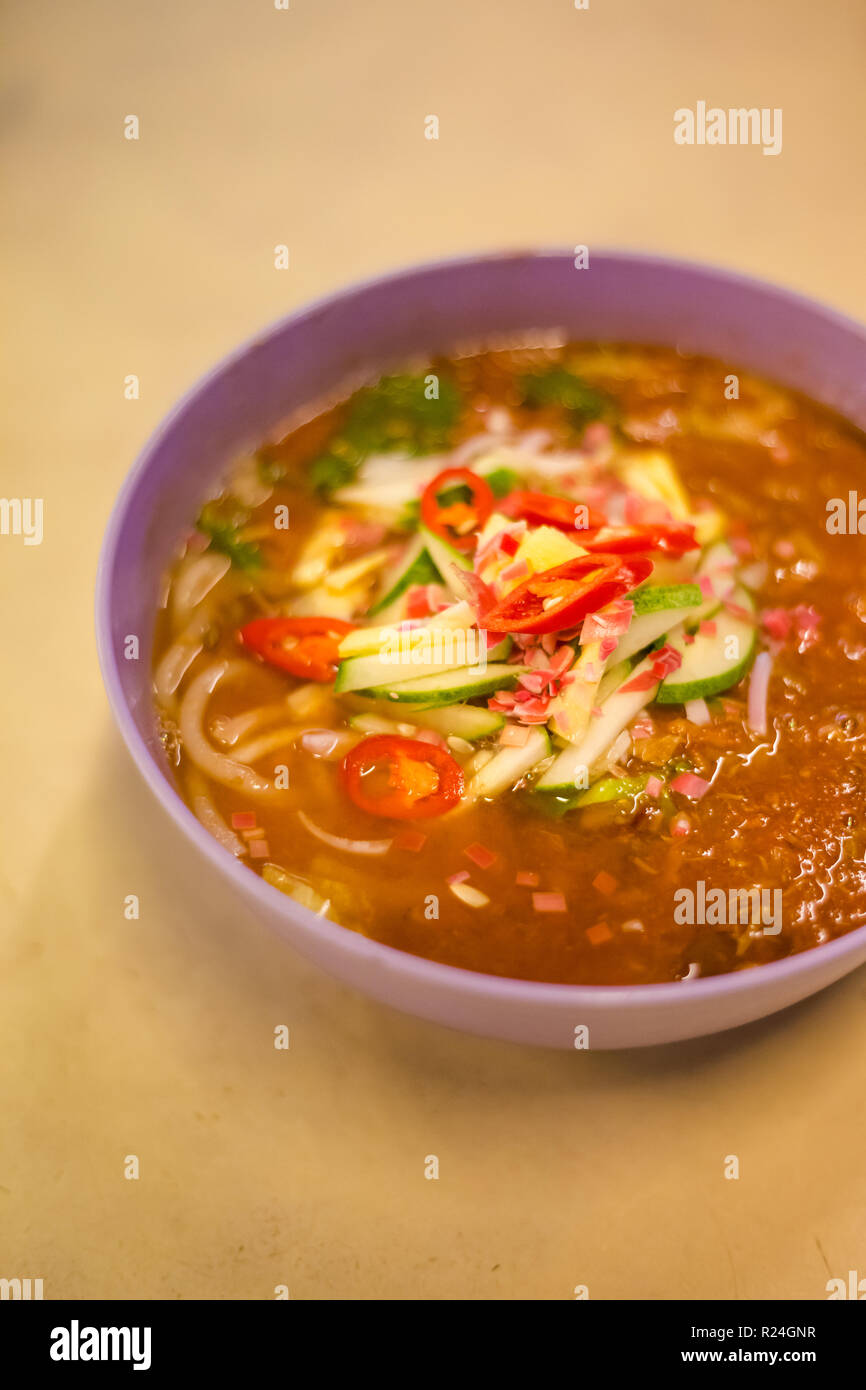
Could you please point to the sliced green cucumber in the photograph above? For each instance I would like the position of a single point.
(713, 664)
(509, 765)
(614, 675)
(413, 567)
(364, 640)
(397, 663)
(569, 712)
(617, 712)
(501, 480)
(653, 598)
(613, 789)
(448, 687)
(648, 629)
(445, 557)
(460, 721)
(379, 724)
(471, 722)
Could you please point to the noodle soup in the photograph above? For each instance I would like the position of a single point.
(543, 663)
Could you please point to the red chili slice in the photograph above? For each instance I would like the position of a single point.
(402, 778)
(305, 647)
(561, 597)
(543, 509)
(457, 522)
(672, 538)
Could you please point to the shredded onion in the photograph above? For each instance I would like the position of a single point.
(698, 711)
(329, 744)
(338, 842)
(756, 707)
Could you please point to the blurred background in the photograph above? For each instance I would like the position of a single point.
(306, 127)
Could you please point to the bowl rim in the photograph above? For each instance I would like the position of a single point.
(420, 970)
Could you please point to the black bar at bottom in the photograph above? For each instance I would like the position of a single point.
(63, 1338)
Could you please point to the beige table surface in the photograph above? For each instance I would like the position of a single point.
(155, 1038)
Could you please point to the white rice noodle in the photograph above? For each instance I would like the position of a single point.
(198, 748)
(172, 668)
(174, 663)
(266, 743)
(338, 842)
(213, 822)
(227, 729)
(197, 577)
(206, 812)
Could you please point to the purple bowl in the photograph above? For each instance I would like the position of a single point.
(437, 307)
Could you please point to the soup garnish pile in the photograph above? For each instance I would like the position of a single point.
(546, 663)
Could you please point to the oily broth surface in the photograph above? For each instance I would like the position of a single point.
(786, 811)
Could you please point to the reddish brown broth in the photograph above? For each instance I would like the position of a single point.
(785, 811)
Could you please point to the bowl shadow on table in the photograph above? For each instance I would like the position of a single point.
(239, 958)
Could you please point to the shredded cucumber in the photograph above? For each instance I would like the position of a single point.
(445, 557)
(509, 765)
(414, 567)
(448, 687)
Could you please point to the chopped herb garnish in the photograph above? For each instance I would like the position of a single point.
(501, 481)
(558, 386)
(398, 413)
(329, 472)
(222, 521)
